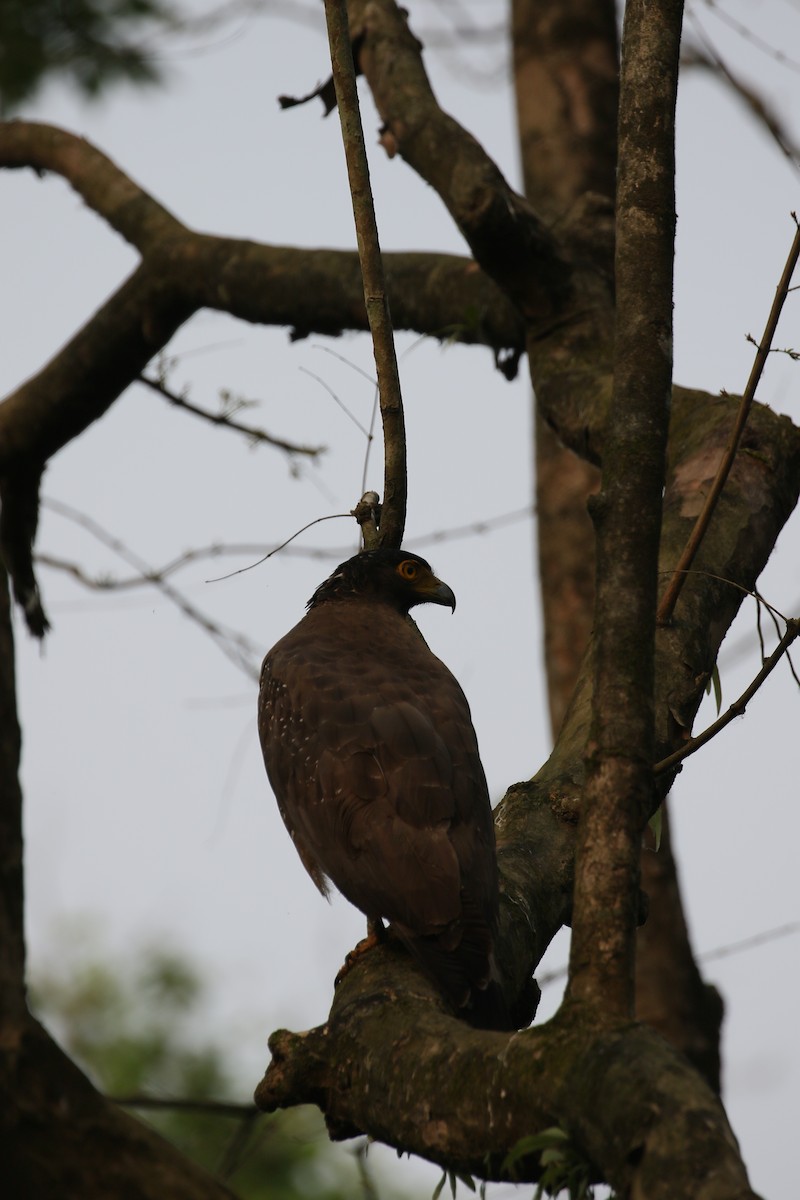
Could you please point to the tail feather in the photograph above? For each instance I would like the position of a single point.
(460, 960)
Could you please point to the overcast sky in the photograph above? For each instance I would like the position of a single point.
(147, 806)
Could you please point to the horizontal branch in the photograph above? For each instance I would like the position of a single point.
(311, 291)
(320, 291)
(213, 1108)
(368, 1074)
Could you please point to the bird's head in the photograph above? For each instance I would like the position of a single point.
(395, 577)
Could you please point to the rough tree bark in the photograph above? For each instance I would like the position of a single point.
(566, 87)
(390, 1060)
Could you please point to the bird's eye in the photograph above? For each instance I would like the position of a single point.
(408, 569)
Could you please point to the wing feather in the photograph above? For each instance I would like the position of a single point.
(371, 752)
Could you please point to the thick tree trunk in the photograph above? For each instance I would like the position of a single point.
(58, 1135)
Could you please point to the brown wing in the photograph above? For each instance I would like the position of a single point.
(370, 749)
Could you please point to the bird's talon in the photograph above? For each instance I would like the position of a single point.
(372, 939)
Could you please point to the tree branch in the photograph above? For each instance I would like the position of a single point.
(380, 1066)
(393, 511)
(214, 1108)
(105, 189)
(12, 931)
(50, 1114)
(618, 793)
(505, 236)
(253, 434)
(313, 291)
(388, 1038)
(673, 590)
(756, 104)
(737, 708)
(109, 583)
(180, 273)
(237, 647)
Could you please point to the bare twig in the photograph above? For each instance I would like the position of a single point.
(216, 1108)
(252, 432)
(750, 943)
(395, 482)
(749, 35)
(726, 951)
(738, 706)
(336, 400)
(108, 583)
(234, 1151)
(282, 546)
(757, 105)
(238, 648)
(670, 597)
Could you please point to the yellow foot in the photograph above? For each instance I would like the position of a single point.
(375, 936)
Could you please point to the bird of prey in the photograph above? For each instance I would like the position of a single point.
(370, 749)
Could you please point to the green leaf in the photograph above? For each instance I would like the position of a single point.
(552, 1139)
(714, 681)
(437, 1191)
(656, 823)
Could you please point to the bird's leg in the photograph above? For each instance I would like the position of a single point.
(376, 933)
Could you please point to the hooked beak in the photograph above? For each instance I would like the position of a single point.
(440, 593)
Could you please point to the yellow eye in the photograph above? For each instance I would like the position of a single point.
(408, 569)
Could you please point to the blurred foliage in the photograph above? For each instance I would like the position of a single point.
(90, 44)
(137, 1030)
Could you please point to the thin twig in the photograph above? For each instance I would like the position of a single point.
(738, 706)
(670, 597)
(758, 106)
(336, 400)
(250, 431)
(108, 583)
(233, 1153)
(726, 951)
(238, 648)
(216, 1108)
(375, 299)
(282, 546)
(368, 1188)
(750, 943)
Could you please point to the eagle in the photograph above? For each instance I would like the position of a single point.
(370, 749)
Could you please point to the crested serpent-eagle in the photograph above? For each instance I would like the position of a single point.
(370, 749)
